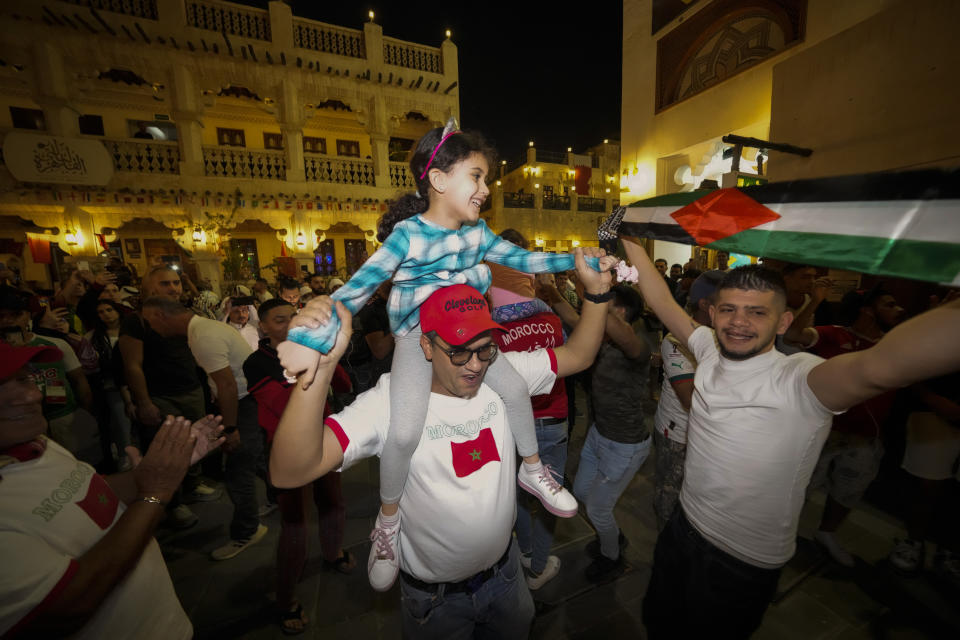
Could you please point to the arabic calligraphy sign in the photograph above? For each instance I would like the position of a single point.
(33, 157)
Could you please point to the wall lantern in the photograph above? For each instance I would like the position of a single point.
(301, 240)
(197, 234)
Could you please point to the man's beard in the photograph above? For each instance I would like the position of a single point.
(729, 355)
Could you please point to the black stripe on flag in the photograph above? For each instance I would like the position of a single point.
(656, 231)
(928, 184)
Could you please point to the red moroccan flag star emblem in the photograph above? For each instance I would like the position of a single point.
(473, 454)
(720, 214)
(100, 502)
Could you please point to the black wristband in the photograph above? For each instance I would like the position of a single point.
(229, 430)
(598, 298)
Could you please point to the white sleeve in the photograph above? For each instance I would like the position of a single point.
(703, 344)
(70, 360)
(801, 365)
(362, 426)
(211, 350)
(32, 572)
(538, 368)
(675, 364)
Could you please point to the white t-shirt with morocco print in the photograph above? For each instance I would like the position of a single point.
(459, 503)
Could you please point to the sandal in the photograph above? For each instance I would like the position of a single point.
(344, 563)
(295, 614)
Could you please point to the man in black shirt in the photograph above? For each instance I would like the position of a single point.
(163, 380)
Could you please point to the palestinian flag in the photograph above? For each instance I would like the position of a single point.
(905, 225)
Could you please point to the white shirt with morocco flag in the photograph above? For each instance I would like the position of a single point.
(53, 509)
(459, 503)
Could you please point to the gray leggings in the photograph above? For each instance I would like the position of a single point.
(410, 384)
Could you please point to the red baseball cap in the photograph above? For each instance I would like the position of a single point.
(458, 314)
(12, 359)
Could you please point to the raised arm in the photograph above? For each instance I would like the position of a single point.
(924, 347)
(581, 348)
(304, 450)
(376, 270)
(510, 255)
(656, 294)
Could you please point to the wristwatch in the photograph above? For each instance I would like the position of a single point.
(598, 298)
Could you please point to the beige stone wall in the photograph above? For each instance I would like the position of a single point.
(740, 105)
(891, 104)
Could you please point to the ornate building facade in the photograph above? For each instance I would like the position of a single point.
(205, 133)
(865, 84)
(556, 199)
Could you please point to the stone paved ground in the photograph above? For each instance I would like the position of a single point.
(232, 599)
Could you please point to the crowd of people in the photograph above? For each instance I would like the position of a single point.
(450, 354)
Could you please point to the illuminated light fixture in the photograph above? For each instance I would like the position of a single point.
(608, 189)
(536, 185)
(301, 240)
(72, 238)
(539, 242)
(569, 149)
(503, 162)
(572, 172)
(573, 188)
(575, 243)
(531, 143)
(197, 234)
(498, 183)
(370, 15)
(448, 33)
(606, 141)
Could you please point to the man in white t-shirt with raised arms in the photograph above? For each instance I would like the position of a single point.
(460, 570)
(757, 422)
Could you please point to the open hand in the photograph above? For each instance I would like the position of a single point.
(209, 434)
(161, 470)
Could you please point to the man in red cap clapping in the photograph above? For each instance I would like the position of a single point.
(77, 549)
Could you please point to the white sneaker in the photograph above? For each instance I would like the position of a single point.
(551, 493)
(907, 555)
(383, 565)
(550, 571)
(833, 547)
(234, 547)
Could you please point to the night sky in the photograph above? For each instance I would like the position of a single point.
(528, 70)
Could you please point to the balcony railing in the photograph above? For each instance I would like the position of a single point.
(401, 177)
(558, 203)
(229, 18)
(411, 56)
(138, 156)
(138, 8)
(327, 38)
(225, 162)
(518, 200)
(320, 168)
(553, 157)
(590, 204)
